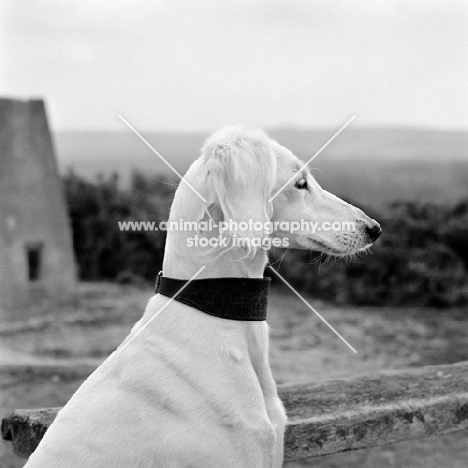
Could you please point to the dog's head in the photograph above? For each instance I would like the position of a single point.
(247, 176)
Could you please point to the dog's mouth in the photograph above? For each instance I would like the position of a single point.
(339, 250)
(323, 245)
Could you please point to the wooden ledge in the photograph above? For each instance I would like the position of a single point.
(335, 415)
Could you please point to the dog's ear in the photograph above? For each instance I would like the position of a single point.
(239, 177)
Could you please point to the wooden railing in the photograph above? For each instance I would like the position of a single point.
(335, 415)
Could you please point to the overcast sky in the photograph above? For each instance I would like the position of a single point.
(200, 64)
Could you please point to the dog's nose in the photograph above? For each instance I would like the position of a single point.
(374, 232)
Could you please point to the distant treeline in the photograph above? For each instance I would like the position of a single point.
(421, 258)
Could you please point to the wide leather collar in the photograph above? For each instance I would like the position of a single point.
(229, 298)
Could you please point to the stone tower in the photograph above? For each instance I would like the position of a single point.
(36, 255)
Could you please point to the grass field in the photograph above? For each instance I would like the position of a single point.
(302, 348)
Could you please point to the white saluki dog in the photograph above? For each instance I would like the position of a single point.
(192, 389)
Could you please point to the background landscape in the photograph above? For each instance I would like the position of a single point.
(373, 166)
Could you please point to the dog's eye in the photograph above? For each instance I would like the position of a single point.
(301, 184)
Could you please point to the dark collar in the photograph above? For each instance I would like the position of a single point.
(228, 298)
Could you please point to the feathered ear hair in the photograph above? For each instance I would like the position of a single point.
(239, 176)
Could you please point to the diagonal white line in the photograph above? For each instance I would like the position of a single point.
(157, 154)
(161, 309)
(312, 158)
(313, 310)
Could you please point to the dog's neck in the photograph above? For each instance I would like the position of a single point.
(182, 261)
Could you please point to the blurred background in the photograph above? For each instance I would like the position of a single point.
(298, 69)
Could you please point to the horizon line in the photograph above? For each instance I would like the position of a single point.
(291, 128)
